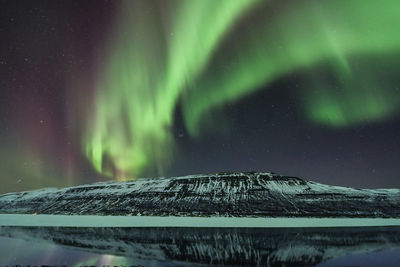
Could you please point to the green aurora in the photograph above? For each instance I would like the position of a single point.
(302, 36)
(145, 73)
(207, 53)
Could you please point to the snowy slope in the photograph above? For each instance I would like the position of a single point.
(223, 194)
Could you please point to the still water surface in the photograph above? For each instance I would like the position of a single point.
(81, 246)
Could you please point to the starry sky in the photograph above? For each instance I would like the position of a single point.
(94, 90)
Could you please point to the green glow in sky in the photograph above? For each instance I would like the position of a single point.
(155, 52)
(198, 52)
(301, 37)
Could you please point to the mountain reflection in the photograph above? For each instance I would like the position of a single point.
(216, 246)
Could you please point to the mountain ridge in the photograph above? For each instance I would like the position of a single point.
(237, 194)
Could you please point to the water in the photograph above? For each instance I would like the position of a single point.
(83, 246)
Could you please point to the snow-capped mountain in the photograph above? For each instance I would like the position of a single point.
(251, 194)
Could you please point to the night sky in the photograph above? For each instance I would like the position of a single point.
(99, 90)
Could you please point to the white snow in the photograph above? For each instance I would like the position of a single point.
(175, 221)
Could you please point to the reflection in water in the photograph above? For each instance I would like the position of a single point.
(231, 246)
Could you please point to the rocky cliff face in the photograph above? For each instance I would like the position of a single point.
(223, 194)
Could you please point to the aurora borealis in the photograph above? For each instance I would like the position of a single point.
(95, 90)
(300, 37)
(144, 75)
(153, 67)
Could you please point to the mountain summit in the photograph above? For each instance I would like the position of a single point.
(249, 194)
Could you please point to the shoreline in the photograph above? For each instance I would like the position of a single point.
(175, 221)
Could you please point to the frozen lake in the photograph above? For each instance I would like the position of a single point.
(175, 221)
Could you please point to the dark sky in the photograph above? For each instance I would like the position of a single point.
(47, 47)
